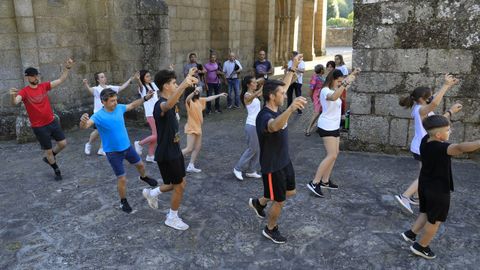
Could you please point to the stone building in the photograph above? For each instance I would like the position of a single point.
(121, 36)
(404, 44)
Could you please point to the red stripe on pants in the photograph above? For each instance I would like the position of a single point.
(270, 186)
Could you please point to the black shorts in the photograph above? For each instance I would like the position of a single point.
(417, 157)
(328, 133)
(434, 204)
(276, 184)
(172, 171)
(46, 133)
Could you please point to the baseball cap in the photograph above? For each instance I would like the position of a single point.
(31, 71)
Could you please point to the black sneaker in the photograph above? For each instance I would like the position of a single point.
(125, 206)
(148, 180)
(46, 160)
(315, 188)
(274, 235)
(424, 252)
(58, 174)
(409, 236)
(329, 185)
(255, 205)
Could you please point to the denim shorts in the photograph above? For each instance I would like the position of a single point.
(116, 160)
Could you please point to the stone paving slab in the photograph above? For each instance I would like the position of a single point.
(76, 223)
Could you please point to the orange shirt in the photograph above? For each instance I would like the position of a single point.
(195, 116)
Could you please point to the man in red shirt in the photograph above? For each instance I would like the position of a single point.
(44, 125)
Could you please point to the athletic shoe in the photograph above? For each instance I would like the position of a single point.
(176, 223)
(236, 107)
(229, 107)
(404, 202)
(255, 205)
(424, 252)
(152, 200)
(315, 188)
(125, 206)
(150, 159)
(101, 152)
(88, 148)
(149, 181)
(218, 111)
(58, 174)
(192, 169)
(253, 175)
(409, 236)
(238, 174)
(274, 235)
(329, 185)
(138, 148)
(413, 201)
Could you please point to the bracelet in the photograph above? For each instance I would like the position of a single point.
(292, 70)
(145, 99)
(449, 112)
(345, 83)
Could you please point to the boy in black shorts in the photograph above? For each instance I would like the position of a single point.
(277, 170)
(42, 120)
(435, 182)
(168, 154)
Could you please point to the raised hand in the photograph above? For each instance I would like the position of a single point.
(85, 82)
(450, 80)
(455, 108)
(69, 63)
(298, 103)
(190, 80)
(192, 71)
(84, 118)
(171, 66)
(296, 60)
(136, 76)
(13, 91)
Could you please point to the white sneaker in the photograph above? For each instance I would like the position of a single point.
(138, 148)
(152, 200)
(88, 148)
(101, 152)
(238, 174)
(404, 202)
(150, 159)
(253, 175)
(191, 168)
(176, 223)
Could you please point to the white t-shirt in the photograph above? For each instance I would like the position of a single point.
(343, 69)
(420, 131)
(253, 110)
(331, 114)
(301, 65)
(148, 105)
(97, 102)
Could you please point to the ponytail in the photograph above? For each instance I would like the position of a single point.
(419, 92)
(246, 81)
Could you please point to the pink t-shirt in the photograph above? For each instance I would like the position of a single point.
(211, 72)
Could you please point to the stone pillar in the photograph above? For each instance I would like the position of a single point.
(320, 27)
(220, 26)
(265, 27)
(27, 41)
(308, 29)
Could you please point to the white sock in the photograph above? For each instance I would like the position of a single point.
(155, 192)
(173, 213)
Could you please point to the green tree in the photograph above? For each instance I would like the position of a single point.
(339, 8)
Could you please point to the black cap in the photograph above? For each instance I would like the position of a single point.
(31, 71)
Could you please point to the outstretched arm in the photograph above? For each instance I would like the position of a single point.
(345, 85)
(127, 83)
(68, 65)
(172, 100)
(460, 148)
(139, 101)
(85, 121)
(15, 98)
(278, 123)
(210, 98)
(449, 82)
(87, 86)
(289, 77)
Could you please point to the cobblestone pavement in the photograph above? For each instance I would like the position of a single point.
(76, 223)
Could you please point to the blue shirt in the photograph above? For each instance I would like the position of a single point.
(111, 127)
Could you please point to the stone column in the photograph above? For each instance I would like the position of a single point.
(307, 29)
(320, 27)
(265, 28)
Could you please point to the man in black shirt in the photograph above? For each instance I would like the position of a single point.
(168, 154)
(435, 182)
(262, 67)
(277, 170)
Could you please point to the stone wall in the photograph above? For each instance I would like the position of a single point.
(404, 44)
(339, 37)
(112, 36)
